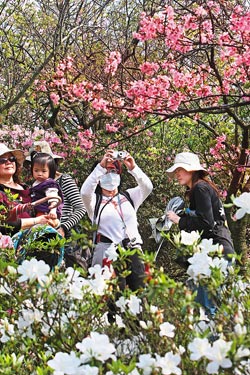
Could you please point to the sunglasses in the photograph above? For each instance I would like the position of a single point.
(12, 159)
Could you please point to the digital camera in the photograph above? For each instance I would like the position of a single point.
(118, 155)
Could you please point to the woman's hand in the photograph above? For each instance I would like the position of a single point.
(129, 161)
(107, 158)
(43, 219)
(173, 217)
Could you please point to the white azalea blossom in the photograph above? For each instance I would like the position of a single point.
(119, 321)
(65, 364)
(169, 363)
(17, 360)
(206, 245)
(32, 270)
(12, 270)
(111, 252)
(240, 330)
(6, 330)
(218, 356)
(146, 363)
(134, 305)
(220, 263)
(243, 201)
(242, 352)
(121, 303)
(96, 346)
(198, 348)
(189, 239)
(98, 271)
(5, 288)
(146, 325)
(167, 329)
(87, 370)
(200, 266)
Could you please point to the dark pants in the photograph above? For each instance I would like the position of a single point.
(135, 280)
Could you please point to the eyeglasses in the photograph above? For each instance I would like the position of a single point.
(12, 159)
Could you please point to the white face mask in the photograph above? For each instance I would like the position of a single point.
(110, 181)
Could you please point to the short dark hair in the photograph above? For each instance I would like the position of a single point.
(43, 159)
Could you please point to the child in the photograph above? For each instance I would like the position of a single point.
(43, 170)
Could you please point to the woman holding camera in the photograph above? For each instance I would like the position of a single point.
(115, 213)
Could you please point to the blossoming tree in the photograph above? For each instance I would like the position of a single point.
(189, 62)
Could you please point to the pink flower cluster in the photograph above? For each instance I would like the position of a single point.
(5, 242)
(112, 62)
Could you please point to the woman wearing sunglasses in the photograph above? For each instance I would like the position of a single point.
(13, 192)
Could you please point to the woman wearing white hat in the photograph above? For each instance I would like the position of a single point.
(205, 213)
(11, 161)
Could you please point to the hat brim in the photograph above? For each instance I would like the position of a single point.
(19, 155)
(189, 168)
(28, 158)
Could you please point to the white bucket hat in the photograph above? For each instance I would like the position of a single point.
(19, 154)
(44, 147)
(188, 161)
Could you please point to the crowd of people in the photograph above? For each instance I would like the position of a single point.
(55, 200)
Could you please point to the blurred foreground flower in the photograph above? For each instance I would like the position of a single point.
(33, 270)
(5, 242)
(243, 201)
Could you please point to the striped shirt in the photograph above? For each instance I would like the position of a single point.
(73, 208)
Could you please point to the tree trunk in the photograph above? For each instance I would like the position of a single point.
(239, 231)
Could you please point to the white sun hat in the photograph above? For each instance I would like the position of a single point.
(19, 154)
(188, 161)
(44, 147)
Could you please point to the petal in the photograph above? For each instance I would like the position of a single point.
(240, 213)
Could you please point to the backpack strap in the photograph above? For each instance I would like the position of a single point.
(127, 195)
(99, 199)
(97, 206)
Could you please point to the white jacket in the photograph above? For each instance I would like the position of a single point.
(118, 219)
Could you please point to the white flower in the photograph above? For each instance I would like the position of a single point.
(87, 370)
(240, 330)
(33, 270)
(217, 355)
(17, 360)
(243, 201)
(146, 363)
(198, 348)
(96, 346)
(207, 246)
(5, 288)
(75, 291)
(6, 330)
(189, 239)
(167, 329)
(97, 271)
(221, 264)
(146, 325)
(12, 270)
(64, 363)
(121, 303)
(200, 266)
(169, 363)
(134, 305)
(119, 321)
(242, 352)
(111, 252)
(97, 280)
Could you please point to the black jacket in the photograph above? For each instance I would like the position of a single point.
(207, 216)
